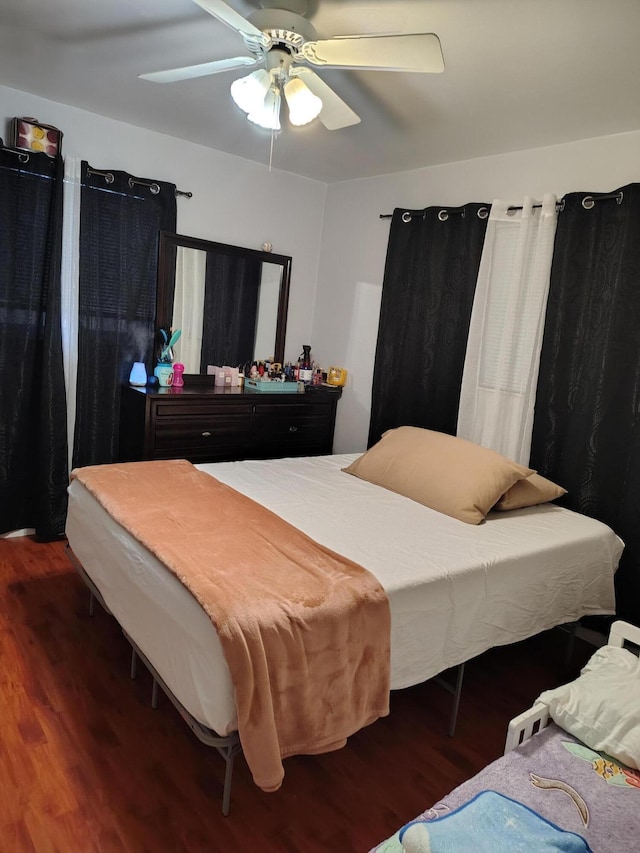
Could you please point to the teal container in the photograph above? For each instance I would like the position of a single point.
(164, 374)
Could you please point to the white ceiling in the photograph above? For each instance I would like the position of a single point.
(518, 74)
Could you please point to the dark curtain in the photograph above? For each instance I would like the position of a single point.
(232, 285)
(33, 428)
(429, 281)
(120, 221)
(586, 432)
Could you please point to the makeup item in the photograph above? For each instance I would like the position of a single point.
(336, 376)
(305, 369)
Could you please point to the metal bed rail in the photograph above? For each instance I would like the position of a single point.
(228, 746)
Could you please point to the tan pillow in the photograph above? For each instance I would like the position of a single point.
(529, 492)
(445, 473)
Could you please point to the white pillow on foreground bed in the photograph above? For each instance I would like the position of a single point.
(602, 706)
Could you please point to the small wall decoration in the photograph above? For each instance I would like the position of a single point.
(32, 135)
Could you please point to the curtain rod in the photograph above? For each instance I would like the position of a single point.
(559, 206)
(587, 202)
(443, 214)
(23, 156)
(155, 188)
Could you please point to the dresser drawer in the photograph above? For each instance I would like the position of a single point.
(294, 430)
(204, 425)
(180, 407)
(201, 435)
(200, 430)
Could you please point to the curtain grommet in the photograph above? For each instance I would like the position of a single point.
(443, 215)
(406, 216)
(483, 212)
(588, 202)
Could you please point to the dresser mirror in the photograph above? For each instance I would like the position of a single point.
(230, 303)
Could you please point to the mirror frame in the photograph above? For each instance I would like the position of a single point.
(169, 242)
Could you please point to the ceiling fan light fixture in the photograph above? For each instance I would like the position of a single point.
(250, 92)
(303, 105)
(267, 114)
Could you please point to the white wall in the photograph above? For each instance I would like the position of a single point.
(354, 242)
(334, 234)
(234, 200)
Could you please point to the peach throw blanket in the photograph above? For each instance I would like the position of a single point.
(305, 632)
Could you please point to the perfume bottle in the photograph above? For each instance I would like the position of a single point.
(305, 370)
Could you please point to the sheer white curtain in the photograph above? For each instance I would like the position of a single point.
(69, 278)
(505, 336)
(188, 306)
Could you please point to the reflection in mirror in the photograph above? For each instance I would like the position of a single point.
(188, 306)
(229, 302)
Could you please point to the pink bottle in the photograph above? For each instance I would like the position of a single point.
(178, 370)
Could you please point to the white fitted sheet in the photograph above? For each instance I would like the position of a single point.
(455, 589)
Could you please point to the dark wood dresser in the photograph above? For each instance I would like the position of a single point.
(208, 424)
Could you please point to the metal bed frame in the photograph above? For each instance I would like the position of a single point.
(229, 746)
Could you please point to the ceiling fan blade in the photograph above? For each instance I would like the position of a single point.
(223, 12)
(335, 114)
(173, 75)
(420, 52)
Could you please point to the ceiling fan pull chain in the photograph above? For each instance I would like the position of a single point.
(273, 134)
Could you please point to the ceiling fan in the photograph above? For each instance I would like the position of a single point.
(284, 43)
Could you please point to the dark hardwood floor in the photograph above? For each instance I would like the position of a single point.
(87, 765)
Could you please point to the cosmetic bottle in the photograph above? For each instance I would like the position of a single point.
(305, 373)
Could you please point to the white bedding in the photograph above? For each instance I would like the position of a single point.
(455, 589)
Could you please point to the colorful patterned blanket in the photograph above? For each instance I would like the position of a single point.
(490, 823)
(562, 781)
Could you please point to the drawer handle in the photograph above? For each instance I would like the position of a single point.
(293, 429)
(206, 433)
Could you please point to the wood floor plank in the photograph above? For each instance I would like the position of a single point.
(86, 765)
(15, 836)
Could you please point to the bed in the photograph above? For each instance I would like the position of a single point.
(454, 590)
(553, 775)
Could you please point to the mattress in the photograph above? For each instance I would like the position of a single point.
(455, 590)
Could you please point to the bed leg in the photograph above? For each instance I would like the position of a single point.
(134, 664)
(571, 642)
(228, 773)
(456, 700)
(92, 602)
(154, 694)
